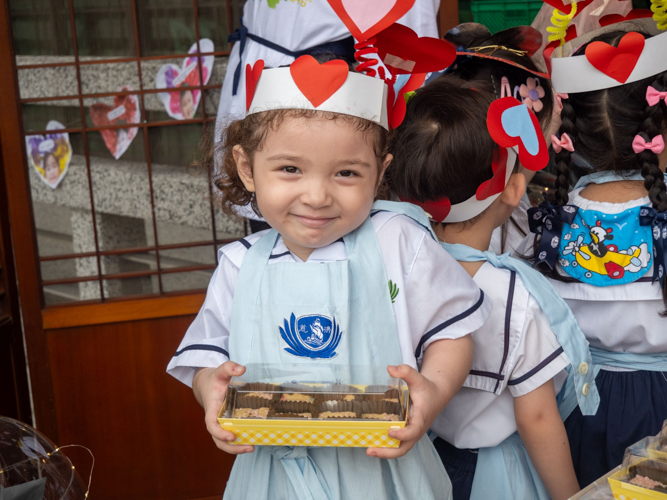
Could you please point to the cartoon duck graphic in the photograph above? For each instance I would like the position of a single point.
(600, 257)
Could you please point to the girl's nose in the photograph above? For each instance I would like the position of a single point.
(316, 194)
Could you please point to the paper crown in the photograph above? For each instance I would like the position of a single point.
(603, 66)
(307, 84)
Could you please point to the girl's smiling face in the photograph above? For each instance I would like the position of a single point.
(314, 180)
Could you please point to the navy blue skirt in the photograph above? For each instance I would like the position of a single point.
(633, 405)
(460, 466)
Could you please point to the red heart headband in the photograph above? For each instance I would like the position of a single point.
(443, 211)
(603, 66)
(307, 84)
(517, 131)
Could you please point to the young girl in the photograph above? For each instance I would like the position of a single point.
(445, 161)
(610, 264)
(311, 163)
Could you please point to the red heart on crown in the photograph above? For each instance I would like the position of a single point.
(566, 9)
(616, 62)
(365, 18)
(318, 82)
(396, 105)
(252, 74)
(402, 50)
(495, 184)
(125, 110)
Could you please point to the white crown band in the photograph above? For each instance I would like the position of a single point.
(361, 96)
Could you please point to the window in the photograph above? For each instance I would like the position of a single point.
(126, 217)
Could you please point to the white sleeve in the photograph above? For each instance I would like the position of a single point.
(206, 343)
(539, 356)
(443, 302)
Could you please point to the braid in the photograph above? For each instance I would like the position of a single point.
(564, 158)
(652, 126)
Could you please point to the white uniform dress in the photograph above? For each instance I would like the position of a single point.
(618, 319)
(414, 262)
(515, 353)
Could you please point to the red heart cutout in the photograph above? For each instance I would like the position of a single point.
(402, 50)
(365, 18)
(494, 122)
(125, 110)
(252, 74)
(435, 210)
(396, 107)
(617, 18)
(495, 184)
(318, 81)
(616, 62)
(566, 9)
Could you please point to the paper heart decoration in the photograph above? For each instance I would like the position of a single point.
(252, 74)
(125, 110)
(617, 18)
(510, 124)
(495, 184)
(435, 210)
(182, 104)
(396, 103)
(616, 62)
(317, 82)
(566, 9)
(366, 18)
(50, 154)
(402, 50)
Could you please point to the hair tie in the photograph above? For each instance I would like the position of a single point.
(653, 96)
(563, 143)
(657, 145)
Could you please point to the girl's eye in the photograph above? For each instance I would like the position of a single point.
(291, 170)
(346, 173)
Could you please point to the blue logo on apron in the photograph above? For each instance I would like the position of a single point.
(311, 336)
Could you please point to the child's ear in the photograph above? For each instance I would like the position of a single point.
(385, 164)
(244, 168)
(514, 191)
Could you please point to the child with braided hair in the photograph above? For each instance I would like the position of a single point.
(602, 243)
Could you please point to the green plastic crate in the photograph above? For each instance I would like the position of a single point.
(498, 15)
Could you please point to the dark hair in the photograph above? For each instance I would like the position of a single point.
(603, 124)
(486, 74)
(250, 133)
(443, 147)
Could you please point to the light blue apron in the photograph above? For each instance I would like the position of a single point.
(337, 316)
(602, 357)
(506, 471)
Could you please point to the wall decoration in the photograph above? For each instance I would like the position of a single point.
(182, 104)
(50, 154)
(125, 110)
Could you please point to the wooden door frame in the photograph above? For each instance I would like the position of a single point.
(23, 234)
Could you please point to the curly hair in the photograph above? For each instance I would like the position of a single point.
(250, 134)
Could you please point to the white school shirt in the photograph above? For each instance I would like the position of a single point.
(619, 318)
(297, 25)
(515, 353)
(436, 298)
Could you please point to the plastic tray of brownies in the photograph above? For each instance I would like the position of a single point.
(643, 474)
(307, 405)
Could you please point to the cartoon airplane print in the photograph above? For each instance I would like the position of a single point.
(600, 257)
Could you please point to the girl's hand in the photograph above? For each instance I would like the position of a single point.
(426, 406)
(210, 387)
